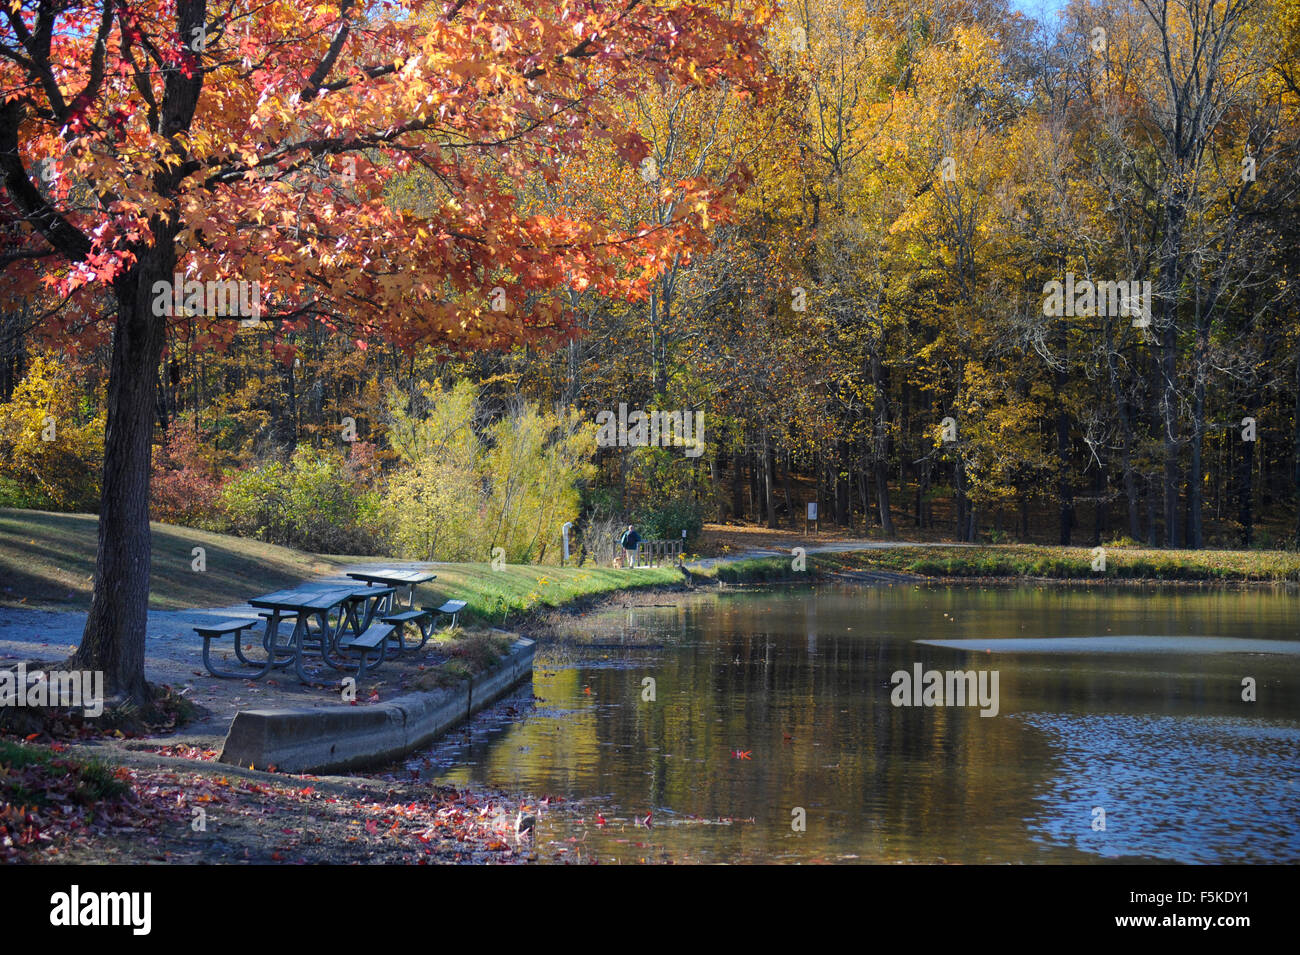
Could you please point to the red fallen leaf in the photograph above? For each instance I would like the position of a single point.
(31, 736)
(275, 857)
(600, 820)
(371, 827)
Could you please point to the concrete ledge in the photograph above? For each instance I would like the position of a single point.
(331, 739)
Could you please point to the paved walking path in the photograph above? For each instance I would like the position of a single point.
(173, 652)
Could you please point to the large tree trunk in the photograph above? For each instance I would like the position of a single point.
(114, 637)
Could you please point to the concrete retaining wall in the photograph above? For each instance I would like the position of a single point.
(303, 740)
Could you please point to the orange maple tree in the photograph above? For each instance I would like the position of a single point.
(356, 162)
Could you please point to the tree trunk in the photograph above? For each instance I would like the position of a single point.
(1195, 484)
(785, 487)
(1124, 411)
(1246, 482)
(1170, 276)
(737, 482)
(881, 451)
(769, 481)
(843, 501)
(959, 480)
(114, 637)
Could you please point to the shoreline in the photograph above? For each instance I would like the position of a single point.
(383, 817)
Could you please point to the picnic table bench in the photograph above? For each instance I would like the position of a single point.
(393, 611)
(216, 631)
(352, 607)
(334, 621)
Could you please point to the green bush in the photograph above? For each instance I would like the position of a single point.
(669, 520)
(316, 502)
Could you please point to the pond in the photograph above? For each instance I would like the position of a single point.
(771, 726)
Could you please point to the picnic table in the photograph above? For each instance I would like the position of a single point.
(393, 579)
(352, 607)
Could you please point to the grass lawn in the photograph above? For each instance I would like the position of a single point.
(496, 597)
(47, 560)
(1034, 560)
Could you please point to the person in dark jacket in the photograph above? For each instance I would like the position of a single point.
(629, 542)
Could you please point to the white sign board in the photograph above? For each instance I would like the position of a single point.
(812, 511)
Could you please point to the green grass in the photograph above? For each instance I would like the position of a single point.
(1029, 560)
(498, 596)
(47, 560)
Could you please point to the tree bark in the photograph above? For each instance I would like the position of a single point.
(114, 637)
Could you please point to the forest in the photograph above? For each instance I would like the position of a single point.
(942, 267)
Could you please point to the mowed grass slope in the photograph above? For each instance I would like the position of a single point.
(497, 596)
(47, 560)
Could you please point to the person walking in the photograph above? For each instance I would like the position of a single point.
(629, 542)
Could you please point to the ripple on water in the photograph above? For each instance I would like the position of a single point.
(1196, 790)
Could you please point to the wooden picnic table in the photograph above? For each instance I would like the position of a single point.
(306, 604)
(393, 578)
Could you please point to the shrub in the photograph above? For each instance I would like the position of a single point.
(51, 441)
(466, 488)
(669, 520)
(316, 502)
(185, 487)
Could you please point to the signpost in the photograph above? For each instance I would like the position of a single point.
(811, 523)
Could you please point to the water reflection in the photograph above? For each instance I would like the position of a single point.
(769, 703)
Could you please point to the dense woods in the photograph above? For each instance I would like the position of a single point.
(833, 227)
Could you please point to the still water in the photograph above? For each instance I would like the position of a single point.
(768, 709)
